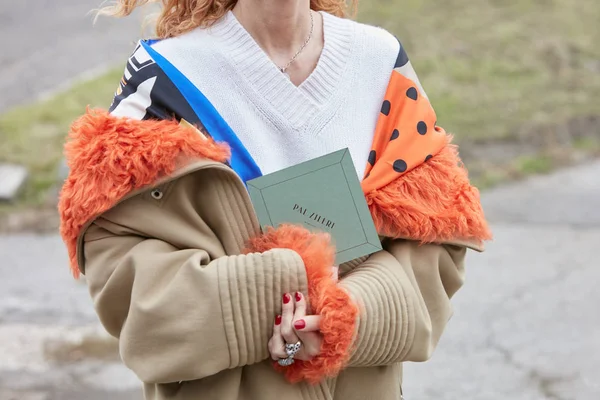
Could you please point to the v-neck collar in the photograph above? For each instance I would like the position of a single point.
(295, 103)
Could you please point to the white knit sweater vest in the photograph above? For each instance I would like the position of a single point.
(280, 124)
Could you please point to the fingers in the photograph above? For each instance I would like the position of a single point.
(306, 328)
(311, 346)
(302, 322)
(300, 305)
(299, 314)
(276, 344)
(287, 317)
(294, 325)
(309, 323)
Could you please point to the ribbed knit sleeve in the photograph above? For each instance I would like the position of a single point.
(179, 316)
(403, 295)
(337, 310)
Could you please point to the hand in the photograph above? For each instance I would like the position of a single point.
(294, 325)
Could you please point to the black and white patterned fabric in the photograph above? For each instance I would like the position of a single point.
(146, 92)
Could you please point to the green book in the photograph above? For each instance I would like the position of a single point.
(323, 194)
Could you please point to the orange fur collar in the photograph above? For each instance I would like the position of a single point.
(110, 157)
(432, 203)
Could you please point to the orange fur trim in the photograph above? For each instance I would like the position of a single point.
(432, 203)
(336, 308)
(109, 157)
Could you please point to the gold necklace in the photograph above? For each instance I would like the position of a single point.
(312, 26)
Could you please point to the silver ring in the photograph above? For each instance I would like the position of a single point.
(286, 362)
(292, 349)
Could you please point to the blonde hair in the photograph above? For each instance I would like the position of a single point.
(180, 16)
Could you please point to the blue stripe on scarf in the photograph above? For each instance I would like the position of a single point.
(241, 160)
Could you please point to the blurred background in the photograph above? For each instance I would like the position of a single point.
(518, 82)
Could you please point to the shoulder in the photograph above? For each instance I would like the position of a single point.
(147, 89)
(379, 39)
(197, 41)
(375, 41)
(144, 55)
(373, 44)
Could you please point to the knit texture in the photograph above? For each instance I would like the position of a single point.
(280, 124)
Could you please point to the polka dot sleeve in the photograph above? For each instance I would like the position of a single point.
(415, 184)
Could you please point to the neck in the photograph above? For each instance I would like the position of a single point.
(279, 26)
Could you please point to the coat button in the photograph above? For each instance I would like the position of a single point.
(157, 194)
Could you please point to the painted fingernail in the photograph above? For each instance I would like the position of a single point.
(300, 324)
(286, 298)
(278, 320)
(298, 296)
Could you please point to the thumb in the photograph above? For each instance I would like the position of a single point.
(308, 323)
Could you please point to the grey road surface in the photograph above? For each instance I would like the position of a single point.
(526, 324)
(46, 43)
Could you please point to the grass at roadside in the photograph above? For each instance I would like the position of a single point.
(493, 69)
(507, 79)
(33, 135)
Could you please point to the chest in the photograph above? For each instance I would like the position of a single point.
(281, 124)
(279, 132)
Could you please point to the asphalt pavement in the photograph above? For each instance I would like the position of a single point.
(526, 324)
(46, 44)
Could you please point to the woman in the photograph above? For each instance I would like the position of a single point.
(156, 215)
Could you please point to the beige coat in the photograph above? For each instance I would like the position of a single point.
(162, 249)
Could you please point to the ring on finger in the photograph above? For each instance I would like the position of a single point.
(286, 362)
(292, 349)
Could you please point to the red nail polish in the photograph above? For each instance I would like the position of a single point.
(286, 298)
(298, 296)
(278, 320)
(300, 324)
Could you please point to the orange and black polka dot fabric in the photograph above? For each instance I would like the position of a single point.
(406, 134)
